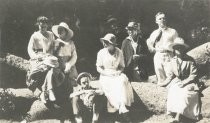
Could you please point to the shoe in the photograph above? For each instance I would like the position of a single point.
(42, 97)
(123, 109)
(51, 95)
(95, 118)
(78, 119)
(24, 121)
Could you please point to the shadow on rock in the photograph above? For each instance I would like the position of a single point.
(22, 106)
(139, 112)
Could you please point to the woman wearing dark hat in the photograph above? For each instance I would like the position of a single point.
(183, 97)
(134, 52)
(114, 83)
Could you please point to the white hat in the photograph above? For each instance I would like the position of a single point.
(64, 25)
(83, 74)
(110, 38)
(132, 25)
(51, 61)
(179, 42)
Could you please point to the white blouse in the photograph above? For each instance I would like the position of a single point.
(108, 61)
(40, 43)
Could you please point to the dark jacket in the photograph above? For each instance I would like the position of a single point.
(130, 63)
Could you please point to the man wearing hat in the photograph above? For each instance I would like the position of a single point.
(158, 43)
(183, 96)
(135, 53)
(86, 97)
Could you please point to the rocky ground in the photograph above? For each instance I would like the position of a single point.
(149, 105)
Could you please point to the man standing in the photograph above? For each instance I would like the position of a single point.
(158, 43)
(135, 53)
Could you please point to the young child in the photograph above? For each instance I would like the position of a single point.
(86, 98)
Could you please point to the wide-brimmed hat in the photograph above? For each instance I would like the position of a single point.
(132, 26)
(64, 25)
(83, 74)
(179, 43)
(51, 61)
(111, 20)
(109, 38)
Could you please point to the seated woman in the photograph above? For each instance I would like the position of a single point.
(115, 84)
(40, 49)
(86, 98)
(183, 97)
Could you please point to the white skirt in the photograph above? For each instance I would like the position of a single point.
(183, 101)
(118, 90)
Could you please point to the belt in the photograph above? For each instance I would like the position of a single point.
(163, 51)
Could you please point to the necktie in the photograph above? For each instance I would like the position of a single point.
(158, 38)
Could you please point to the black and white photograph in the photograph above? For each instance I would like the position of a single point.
(104, 61)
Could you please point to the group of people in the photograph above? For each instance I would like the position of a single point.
(53, 70)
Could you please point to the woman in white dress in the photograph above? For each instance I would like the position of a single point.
(183, 97)
(115, 84)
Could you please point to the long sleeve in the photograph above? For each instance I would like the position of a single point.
(127, 51)
(31, 52)
(122, 63)
(193, 73)
(99, 59)
(150, 41)
(99, 63)
(73, 59)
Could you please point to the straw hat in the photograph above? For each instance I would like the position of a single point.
(179, 43)
(109, 38)
(64, 25)
(51, 61)
(132, 25)
(83, 74)
(111, 20)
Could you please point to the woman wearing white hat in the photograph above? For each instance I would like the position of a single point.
(183, 98)
(65, 50)
(114, 83)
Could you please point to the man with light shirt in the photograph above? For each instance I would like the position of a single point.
(158, 43)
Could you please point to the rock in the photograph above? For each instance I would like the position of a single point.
(153, 96)
(201, 54)
(14, 61)
(206, 103)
